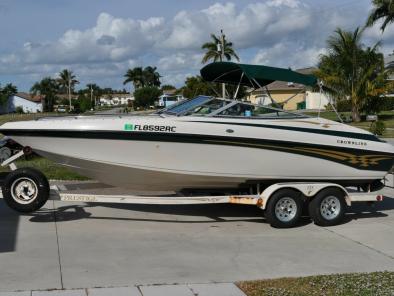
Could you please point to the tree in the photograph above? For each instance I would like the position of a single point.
(383, 9)
(142, 77)
(145, 97)
(7, 91)
(94, 92)
(83, 103)
(214, 49)
(195, 85)
(48, 88)
(151, 77)
(67, 82)
(218, 50)
(135, 76)
(351, 71)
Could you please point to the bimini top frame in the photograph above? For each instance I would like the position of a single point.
(254, 76)
(257, 76)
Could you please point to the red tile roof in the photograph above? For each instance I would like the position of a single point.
(29, 97)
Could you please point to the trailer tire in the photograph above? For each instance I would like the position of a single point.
(284, 208)
(328, 207)
(25, 190)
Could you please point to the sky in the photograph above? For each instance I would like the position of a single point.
(99, 39)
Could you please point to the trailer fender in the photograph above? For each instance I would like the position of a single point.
(307, 189)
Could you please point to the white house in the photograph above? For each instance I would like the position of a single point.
(167, 100)
(29, 103)
(316, 100)
(116, 99)
(292, 96)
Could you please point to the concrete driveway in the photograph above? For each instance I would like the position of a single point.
(75, 245)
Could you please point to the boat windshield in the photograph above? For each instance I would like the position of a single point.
(184, 106)
(210, 106)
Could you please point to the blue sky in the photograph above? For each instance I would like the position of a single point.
(100, 39)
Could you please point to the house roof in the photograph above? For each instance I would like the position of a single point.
(65, 96)
(121, 95)
(170, 91)
(116, 96)
(389, 61)
(29, 97)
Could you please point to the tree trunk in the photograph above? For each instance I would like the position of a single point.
(355, 113)
(69, 95)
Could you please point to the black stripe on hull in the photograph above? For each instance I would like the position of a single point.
(356, 158)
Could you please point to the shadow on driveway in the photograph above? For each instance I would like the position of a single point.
(9, 222)
(215, 212)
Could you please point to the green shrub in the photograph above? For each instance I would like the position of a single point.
(388, 104)
(19, 110)
(82, 104)
(146, 96)
(377, 128)
(344, 106)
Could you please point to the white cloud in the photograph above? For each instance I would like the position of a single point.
(374, 34)
(276, 32)
(300, 57)
(179, 61)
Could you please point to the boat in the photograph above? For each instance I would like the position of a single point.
(211, 142)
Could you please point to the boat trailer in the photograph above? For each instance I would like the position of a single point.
(27, 190)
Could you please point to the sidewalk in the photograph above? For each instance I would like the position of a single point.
(219, 289)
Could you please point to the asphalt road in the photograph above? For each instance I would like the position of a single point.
(75, 245)
(115, 110)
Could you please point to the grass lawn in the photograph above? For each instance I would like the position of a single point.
(28, 116)
(50, 169)
(386, 116)
(360, 284)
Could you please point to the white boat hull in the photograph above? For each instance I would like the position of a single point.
(205, 153)
(144, 165)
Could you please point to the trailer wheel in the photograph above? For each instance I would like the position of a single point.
(284, 208)
(25, 190)
(328, 207)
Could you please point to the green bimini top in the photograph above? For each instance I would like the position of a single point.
(254, 76)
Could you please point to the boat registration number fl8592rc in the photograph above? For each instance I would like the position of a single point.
(149, 128)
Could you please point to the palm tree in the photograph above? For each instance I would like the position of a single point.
(218, 49)
(67, 81)
(383, 9)
(48, 88)
(350, 71)
(151, 77)
(10, 89)
(7, 91)
(135, 76)
(95, 93)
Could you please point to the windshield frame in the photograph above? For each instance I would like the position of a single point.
(273, 109)
(230, 103)
(173, 106)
